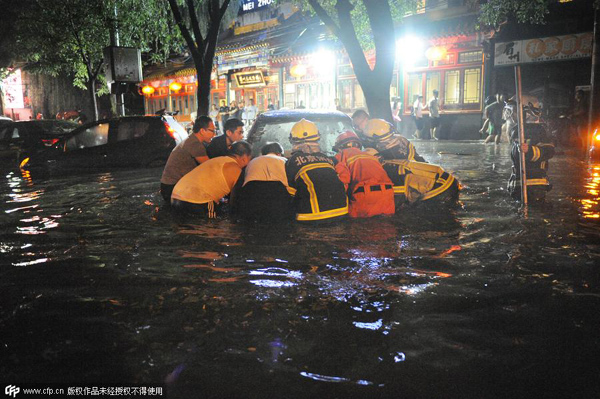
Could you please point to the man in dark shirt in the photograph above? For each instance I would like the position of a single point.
(219, 146)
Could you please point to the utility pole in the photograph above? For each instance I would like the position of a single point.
(594, 110)
(114, 41)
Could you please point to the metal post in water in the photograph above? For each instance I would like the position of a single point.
(521, 138)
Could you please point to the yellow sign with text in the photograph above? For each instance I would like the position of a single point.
(245, 79)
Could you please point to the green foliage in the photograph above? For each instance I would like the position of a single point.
(496, 12)
(360, 20)
(68, 36)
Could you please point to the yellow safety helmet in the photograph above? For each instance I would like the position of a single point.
(379, 129)
(304, 131)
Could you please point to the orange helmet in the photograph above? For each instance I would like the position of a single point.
(346, 138)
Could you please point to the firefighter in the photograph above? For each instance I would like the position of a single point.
(388, 143)
(413, 180)
(319, 194)
(368, 186)
(538, 149)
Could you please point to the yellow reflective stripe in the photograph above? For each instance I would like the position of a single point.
(353, 159)
(411, 152)
(537, 182)
(314, 204)
(543, 164)
(446, 185)
(322, 215)
(399, 190)
(312, 166)
(536, 154)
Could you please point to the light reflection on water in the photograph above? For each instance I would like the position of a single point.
(414, 305)
(589, 206)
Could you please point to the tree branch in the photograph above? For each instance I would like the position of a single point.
(224, 7)
(182, 28)
(349, 39)
(194, 23)
(382, 26)
(322, 14)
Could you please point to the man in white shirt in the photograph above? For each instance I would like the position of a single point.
(418, 114)
(434, 114)
(250, 114)
(265, 195)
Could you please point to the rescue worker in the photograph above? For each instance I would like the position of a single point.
(319, 195)
(538, 149)
(368, 186)
(265, 195)
(201, 190)
(388, 143)
(413, 181)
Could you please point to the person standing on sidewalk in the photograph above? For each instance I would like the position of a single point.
(418, 114)
(434, 114)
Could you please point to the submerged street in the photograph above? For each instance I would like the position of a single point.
(102, 284)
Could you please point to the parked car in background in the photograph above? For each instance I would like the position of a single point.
(276, 126)
(125, 141)
(29, 139)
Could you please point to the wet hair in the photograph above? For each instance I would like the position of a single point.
(269, 148)
(240, 148)
(232, 124)
(201, 122)
(360, 113)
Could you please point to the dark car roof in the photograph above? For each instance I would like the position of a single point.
(297, 114)
(46, 127)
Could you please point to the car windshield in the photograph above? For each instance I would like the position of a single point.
(48, 128)
(279, 131)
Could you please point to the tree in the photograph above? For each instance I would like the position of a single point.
(200, 29)
(362, 25)
(69, 36)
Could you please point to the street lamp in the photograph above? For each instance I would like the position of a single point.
(410, 49)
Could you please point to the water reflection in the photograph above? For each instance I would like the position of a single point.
(405, 306)
(589, 206)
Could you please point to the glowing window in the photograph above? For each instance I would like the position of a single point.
(452, 88)
(472, 87)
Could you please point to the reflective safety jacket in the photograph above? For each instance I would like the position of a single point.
(404, 150)
(318, 192)
(369, 187)
(540, 151)
(418, 181)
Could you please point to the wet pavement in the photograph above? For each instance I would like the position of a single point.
(100, 284)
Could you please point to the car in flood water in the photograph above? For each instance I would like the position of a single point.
(28, 139)
(275, 126)
(119, 142)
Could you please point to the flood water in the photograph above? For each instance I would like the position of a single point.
(101, 284)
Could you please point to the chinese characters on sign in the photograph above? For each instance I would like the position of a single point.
(554, 48)
(244, 79)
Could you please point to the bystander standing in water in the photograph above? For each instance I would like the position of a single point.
(201, 190)
(265, 195)
(188, 154)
